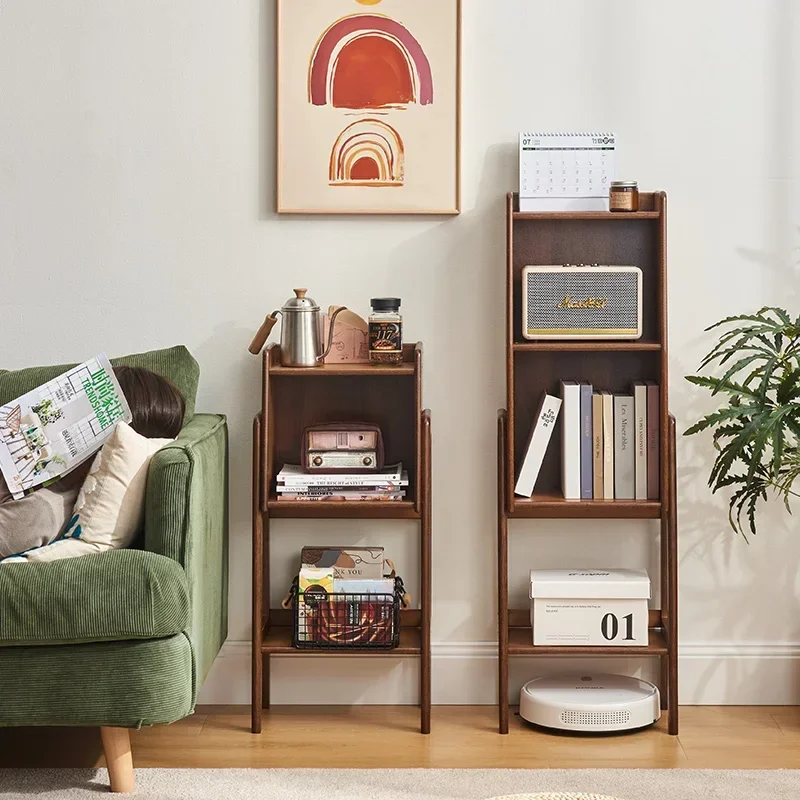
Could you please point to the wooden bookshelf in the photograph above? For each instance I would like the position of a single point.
(534, 367)
(293, 399)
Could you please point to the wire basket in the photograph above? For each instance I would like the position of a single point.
(346, 621)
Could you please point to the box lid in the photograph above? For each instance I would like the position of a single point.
(604, 583)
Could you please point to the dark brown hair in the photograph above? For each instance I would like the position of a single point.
(156, 403)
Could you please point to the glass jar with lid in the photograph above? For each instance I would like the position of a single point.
(385, 331)
(624, 196)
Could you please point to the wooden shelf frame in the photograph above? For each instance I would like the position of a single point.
(391, 396)
(605, 238)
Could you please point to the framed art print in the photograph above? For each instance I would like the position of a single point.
(369, 106)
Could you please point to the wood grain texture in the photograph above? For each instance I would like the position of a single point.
(292, 400)
(533, 368)
(723, 737)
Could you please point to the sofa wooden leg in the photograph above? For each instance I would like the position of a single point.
(117, 749)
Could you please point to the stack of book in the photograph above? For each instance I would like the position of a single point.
(610, 443)
(386, 484)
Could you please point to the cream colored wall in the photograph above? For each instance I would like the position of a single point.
(136, 184)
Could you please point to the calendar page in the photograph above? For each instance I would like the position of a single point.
(565, 171)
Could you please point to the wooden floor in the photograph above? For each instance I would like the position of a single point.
(463, 736)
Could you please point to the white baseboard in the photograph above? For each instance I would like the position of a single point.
(465, 673)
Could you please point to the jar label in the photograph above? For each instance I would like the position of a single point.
(621, 200)
(386, 337)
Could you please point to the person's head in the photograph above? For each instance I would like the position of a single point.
(156, 403)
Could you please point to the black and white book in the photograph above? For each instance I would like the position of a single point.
(542, 429)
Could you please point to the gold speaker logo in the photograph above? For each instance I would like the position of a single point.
(589, 302)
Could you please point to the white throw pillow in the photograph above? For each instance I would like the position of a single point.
(110, 504)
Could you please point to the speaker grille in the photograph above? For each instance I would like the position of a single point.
(547, 290)
(595, 717)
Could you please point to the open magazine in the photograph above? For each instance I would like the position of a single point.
(49, 431)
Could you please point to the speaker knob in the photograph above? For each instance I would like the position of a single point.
(367, 461)
(317, 462)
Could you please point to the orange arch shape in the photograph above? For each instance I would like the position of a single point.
(373, 140)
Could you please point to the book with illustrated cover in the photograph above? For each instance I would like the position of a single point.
(54, 428)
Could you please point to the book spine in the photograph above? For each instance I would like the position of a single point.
(640, 431)
(571, 440)
(624, 450)
(653, 441)
(597, 446)
(587, 490)
(541, 431)
(608, 446)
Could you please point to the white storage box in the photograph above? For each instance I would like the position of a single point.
(589, 607)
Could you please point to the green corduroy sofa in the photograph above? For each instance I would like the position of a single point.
(125, 638)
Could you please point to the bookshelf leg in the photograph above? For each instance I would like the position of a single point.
(258, 581)
(664, 687)
(502, 578)
(425, 562)
(672, 633)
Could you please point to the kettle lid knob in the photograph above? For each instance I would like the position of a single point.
(300, 292)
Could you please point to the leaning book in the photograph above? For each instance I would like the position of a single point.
(49, 431)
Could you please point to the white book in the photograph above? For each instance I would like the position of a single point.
(640, 435)
(608, 445)
(624, 448)
(294, 475)
(571, 440)
(541, 431)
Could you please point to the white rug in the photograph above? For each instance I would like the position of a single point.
(402, 784)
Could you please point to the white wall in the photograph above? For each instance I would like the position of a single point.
(136, 185)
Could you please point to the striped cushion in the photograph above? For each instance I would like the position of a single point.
(116, 595)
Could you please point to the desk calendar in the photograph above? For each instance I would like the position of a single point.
(565, 171)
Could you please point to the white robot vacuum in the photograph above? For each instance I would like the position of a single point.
(590, 702)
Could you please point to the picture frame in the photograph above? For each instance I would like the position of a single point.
(368, 107)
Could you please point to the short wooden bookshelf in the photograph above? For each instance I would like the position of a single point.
(293, 399)
(534, 367)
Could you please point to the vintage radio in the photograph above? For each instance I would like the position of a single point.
(342, 447)
(581, 302)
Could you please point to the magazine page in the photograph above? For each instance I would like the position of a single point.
(49, 431)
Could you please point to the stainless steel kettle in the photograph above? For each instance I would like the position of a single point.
(301, 336)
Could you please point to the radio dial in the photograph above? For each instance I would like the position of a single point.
(368, 461)
(317, 461)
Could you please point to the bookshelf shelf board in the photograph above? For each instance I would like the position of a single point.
(586, 215)
(406, 368)
(520, 643)
(277, 641)
(552, 506)
(338, 509)
(588, 347)
(353, 370)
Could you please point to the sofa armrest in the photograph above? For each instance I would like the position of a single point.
(186, 519)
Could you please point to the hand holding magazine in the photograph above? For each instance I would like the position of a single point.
(49, 431)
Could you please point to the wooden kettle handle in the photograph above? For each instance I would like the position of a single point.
(260, 339)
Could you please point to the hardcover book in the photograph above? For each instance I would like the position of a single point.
(541, 431)
(597, 446)
(653, 441)
(571, 440)
(608, 445)
(624, 449)
(640, 433)
(587, 466)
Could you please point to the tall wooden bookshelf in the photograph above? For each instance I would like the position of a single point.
(292, 399)
(542, 238)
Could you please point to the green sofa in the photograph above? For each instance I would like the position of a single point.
(125, 638)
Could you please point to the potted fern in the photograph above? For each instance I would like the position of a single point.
(756, 429)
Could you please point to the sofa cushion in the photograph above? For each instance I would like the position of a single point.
(174, 363)
(116, 595)
(121, 684)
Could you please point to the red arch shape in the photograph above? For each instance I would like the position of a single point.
(320, 61)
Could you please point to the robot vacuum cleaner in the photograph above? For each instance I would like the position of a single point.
(590, 703)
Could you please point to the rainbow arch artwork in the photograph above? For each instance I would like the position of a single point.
(369, 61)
(368, 152)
